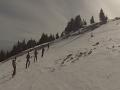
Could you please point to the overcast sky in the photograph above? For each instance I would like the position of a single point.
(27, 19)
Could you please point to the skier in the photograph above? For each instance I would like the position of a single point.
(35, 55)
(28, 60)
(48, 45)
(43, 50)
(14, 67)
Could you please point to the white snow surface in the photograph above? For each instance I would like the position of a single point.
(79, 62)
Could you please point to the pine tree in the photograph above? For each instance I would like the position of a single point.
(92, 20)
(102, 17)
(42, 39)
(31, 43)
(24, 47)
(70, 26)
(78, 23)
(62, 34)
(2, 55)
(57, 36)
(51, 37)
(74, 24)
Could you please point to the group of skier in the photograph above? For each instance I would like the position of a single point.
(28, 59)
(35, 57)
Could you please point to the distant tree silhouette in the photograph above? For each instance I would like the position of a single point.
(19, 47)
(92, 20)
(74, 24)
(78, 23)
(84, 22)
(70, 26)
(57, 36)
(23, 45)
(51, 37)
(2, 55)
(31, 43)
(62, 34)
(14, 50)
(102, 16)
(43, 39)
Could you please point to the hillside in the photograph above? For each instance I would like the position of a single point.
(79, 62)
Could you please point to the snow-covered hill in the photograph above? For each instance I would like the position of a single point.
(79, 62)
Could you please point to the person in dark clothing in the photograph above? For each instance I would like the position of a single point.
(14, 67)
(48, 45)
(43, 50)
(28, 60)
(35, 55)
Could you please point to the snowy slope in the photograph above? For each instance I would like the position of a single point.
(76, 63)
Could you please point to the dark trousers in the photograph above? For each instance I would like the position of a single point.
(27, 63)
(14, 71)
(42, 54)
(35, 59)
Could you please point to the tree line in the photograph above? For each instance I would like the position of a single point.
(24, 45)
(77, 23)
(73, 25)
